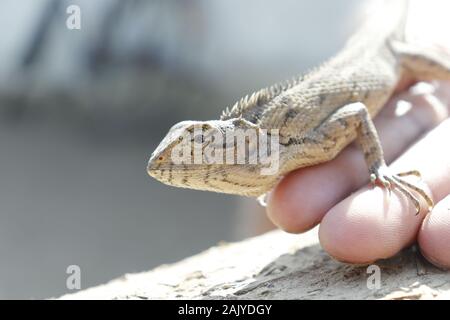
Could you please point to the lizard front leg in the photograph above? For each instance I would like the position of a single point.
(354, 119)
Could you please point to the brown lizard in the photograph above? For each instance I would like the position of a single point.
(315, 115)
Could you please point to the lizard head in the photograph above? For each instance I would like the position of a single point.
(219, 155)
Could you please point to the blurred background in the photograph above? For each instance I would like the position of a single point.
(82, 110)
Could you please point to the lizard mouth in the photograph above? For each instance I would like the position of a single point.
(163, 172)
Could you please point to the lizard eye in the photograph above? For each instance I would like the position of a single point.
(161, 158)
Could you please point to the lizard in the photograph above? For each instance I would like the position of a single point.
(316, 115)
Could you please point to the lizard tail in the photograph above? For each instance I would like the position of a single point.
(381, 20)
(400, 32)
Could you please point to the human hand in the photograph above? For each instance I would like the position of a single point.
(370, 224)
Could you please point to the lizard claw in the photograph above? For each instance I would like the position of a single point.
(380, 179)
(390, 181)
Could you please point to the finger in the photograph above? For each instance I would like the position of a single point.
(369, 225)
(303, 197)
(442, 91)
(434, 235)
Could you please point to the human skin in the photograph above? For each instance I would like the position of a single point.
(360, 223)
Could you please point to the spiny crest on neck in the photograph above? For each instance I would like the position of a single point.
(259, 97)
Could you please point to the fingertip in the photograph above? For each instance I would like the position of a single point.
(349, 234)
(434, 235)
(368, 226)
